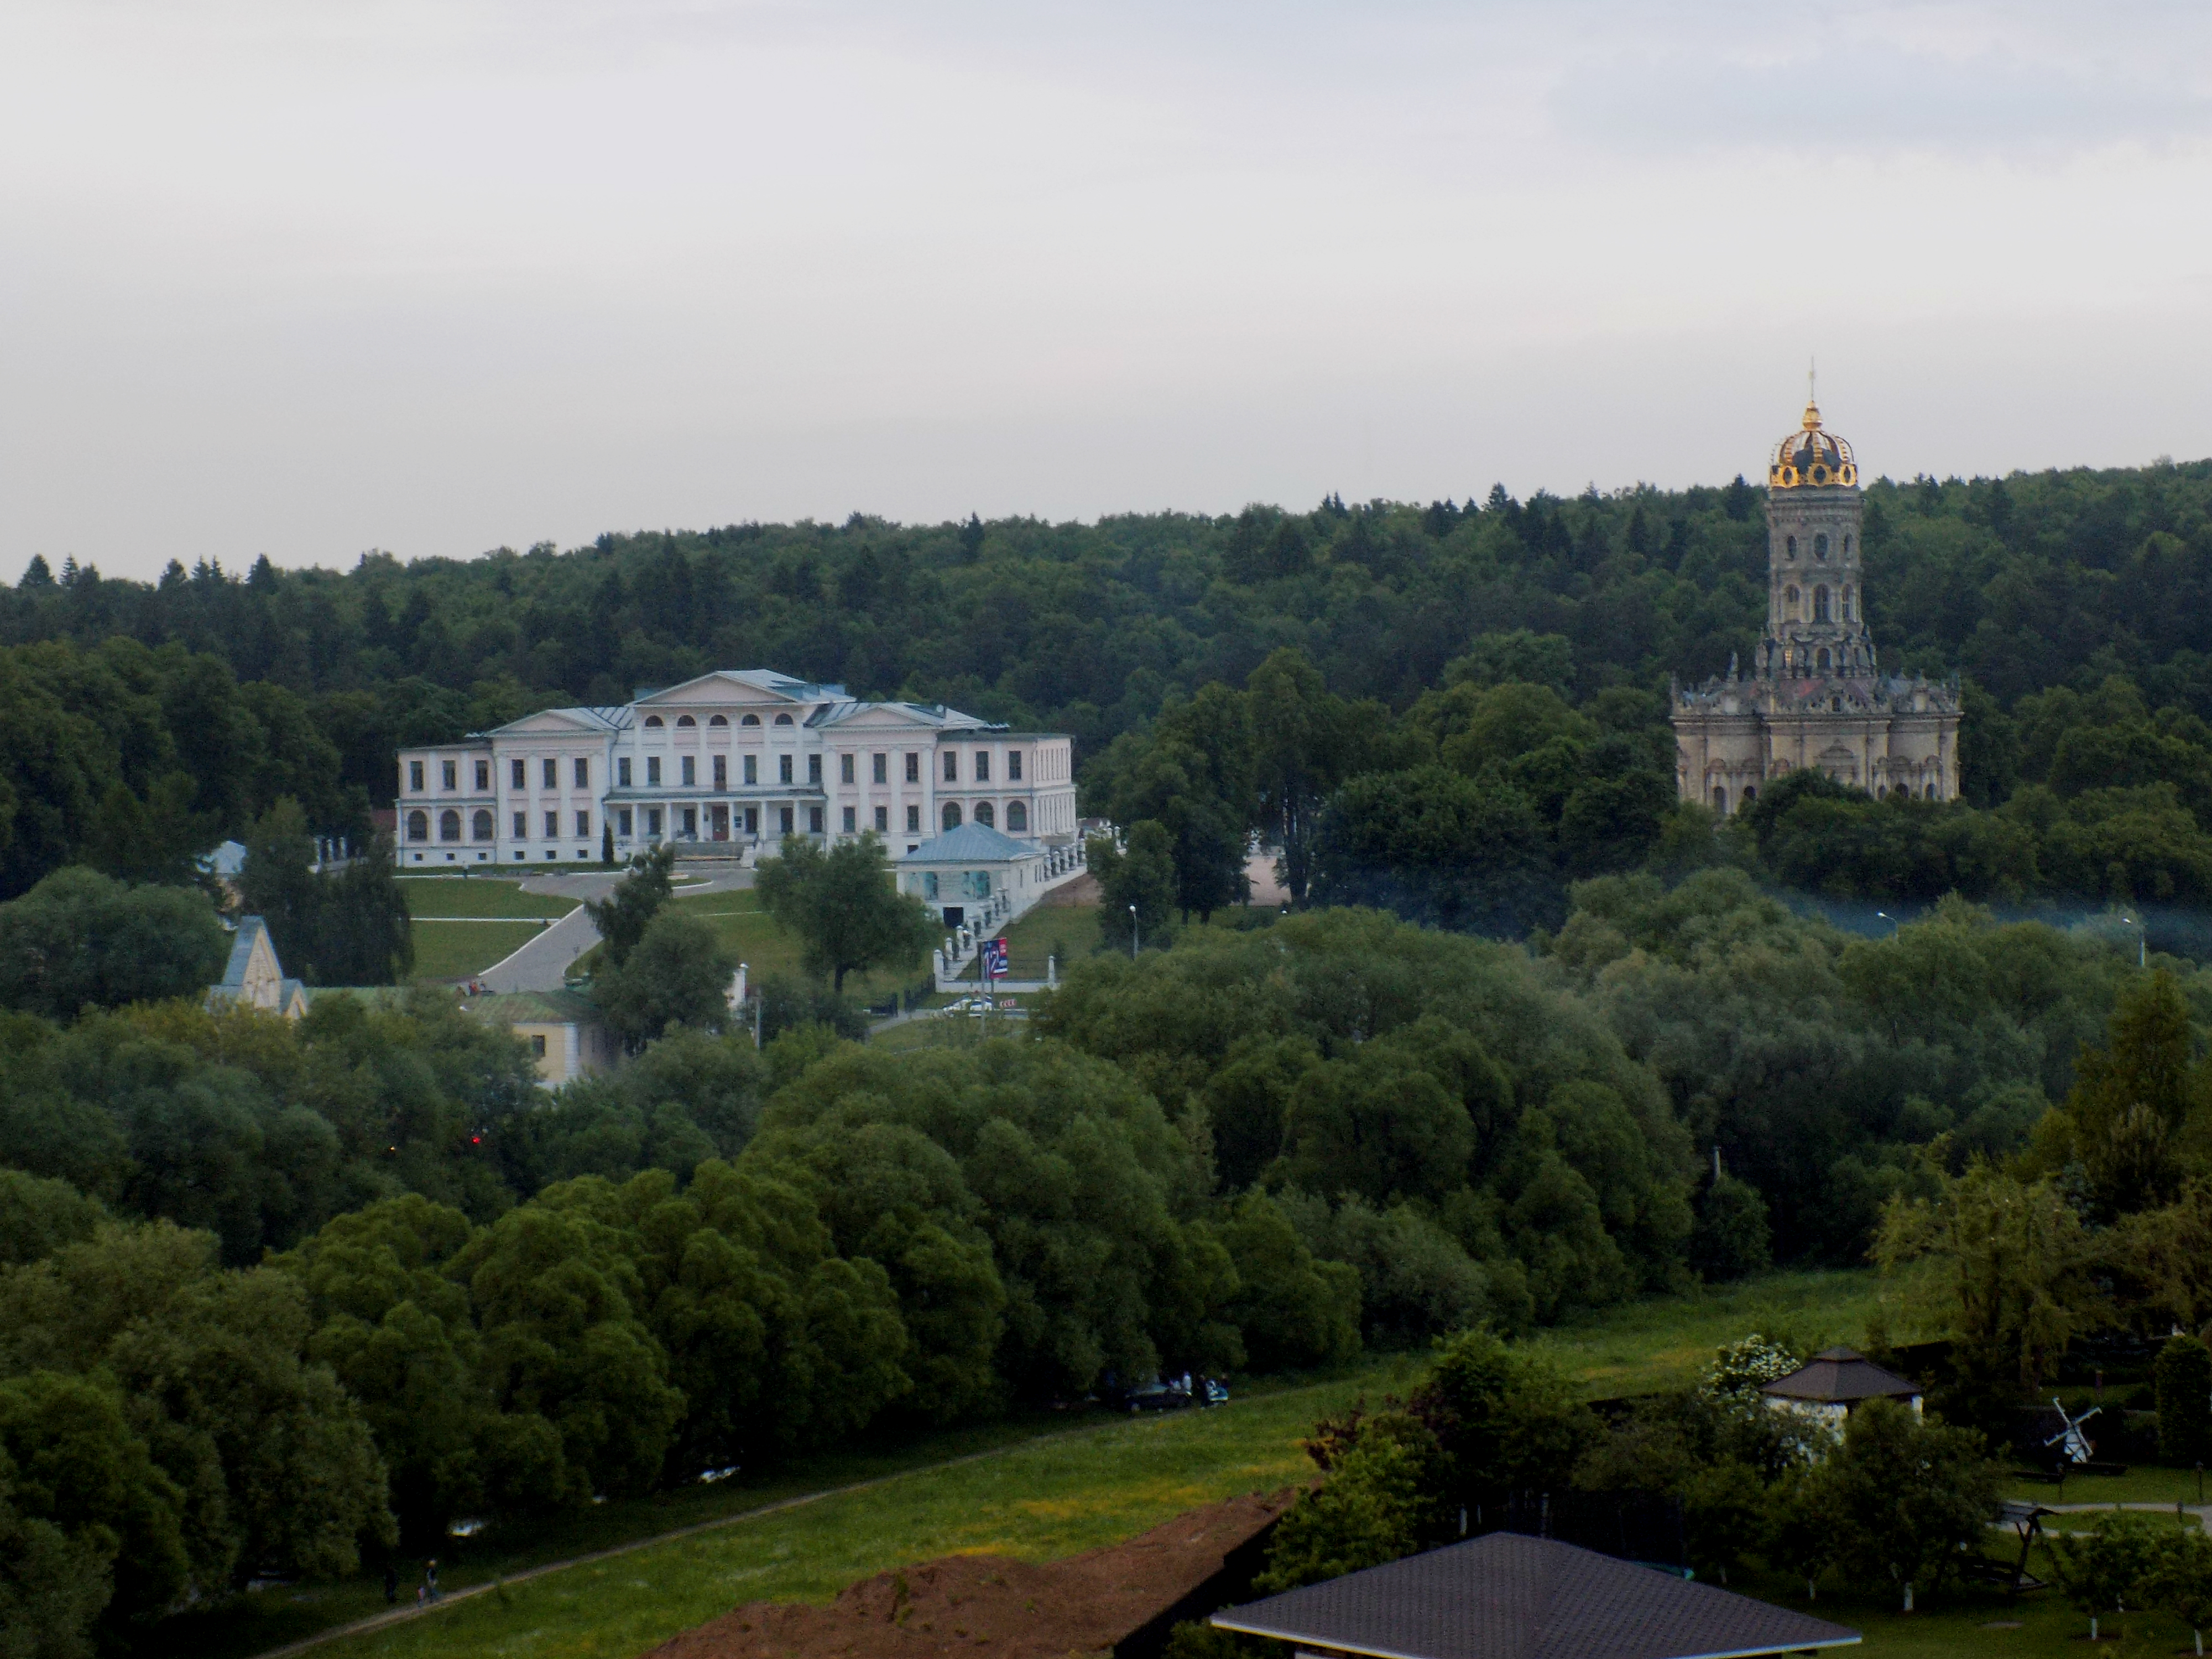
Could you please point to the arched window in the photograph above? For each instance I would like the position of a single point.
(783, 720)
(749, 719)
(418, 826)
(1720, 800)
(1931, 792)
(449, 826)
(1882, 793)
(1018, 817)
(1790, 547)
(1749, 796)
(719, 720)
(952, 815)
(1821, 661)
(480, 826)
(1847, 601)
(1819, 547)
(683, 720)
(1820, 603)
(985, 816)
(1790, 599)
(1847, 547)
(652, 723)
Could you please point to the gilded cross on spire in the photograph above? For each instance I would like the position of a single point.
(1812, 404)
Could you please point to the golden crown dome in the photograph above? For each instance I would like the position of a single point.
(1811, 457)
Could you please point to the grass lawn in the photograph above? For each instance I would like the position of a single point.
(454, 949)
(2142, 1484)
(444, 895)
(1069, 931)
(765, 949)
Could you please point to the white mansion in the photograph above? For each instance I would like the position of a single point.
(723, 764)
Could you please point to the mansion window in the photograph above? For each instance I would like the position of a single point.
(480, 825)
(623, 822)
(721, 771)
(952, 815)
(583, 825)
(521, 826)
(883, 819)
(783, 769)
(913, 820)
(685, 722)
(483, 776)
(652, 723)
(753, 768)
(883, 767)
(783, 819)
(851, 816)
(449, 826)
(690, 824)
(1017, 816)
(415, 776)
(449, 771)
(814, 820)
(622, 771)
(1014, 766)
(690, 766)
(985, 816)
(814, 769)
(552, 774)
(783, 720)
(418, 826)
(652, 771)
(722, 721)
(749, 719)
(845, 772)
(982, 766)
(517, 777)
(653, 822)
(552, 825)
(952, 766)
(913, 767)
(583, 773)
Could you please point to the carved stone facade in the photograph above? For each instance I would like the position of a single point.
(1816, 695)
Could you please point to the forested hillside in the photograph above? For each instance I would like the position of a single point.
(300, 683)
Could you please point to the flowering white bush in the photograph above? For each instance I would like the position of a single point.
(1738, 1370)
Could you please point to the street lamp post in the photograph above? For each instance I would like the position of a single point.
(1133, 932)
(2142, 940)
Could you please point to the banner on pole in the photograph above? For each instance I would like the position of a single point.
(994, 958)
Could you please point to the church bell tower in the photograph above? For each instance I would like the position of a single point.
(1815, 597)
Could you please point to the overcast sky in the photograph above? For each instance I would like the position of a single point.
(310, 277)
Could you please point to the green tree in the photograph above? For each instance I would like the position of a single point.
(1292, 1310)
(279, 883)
(844, 905)
(157, 839)
(2182, 1381)
(2111, 1567)
(1136, 886)
(623, 916)
(1436, 848)
(363, 935)
(78, 939)
(1908, 1500)
(1376, 1506)
(2180, 1580)
(1508, 1421)
(2130, 1097)
(1732, 1237)
(678, 973)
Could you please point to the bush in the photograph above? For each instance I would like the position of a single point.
(2182, 1377)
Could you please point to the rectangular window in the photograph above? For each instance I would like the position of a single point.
(783, 819)
(622, 771)
(952, 766)
(653, 822)
(552, 825)
(690, 824)
(536, 1046)
(783, 769)
(844, 768)
(583, 826)
(1013, 766)
(415, 775)
(516, 777)
(583, 773)
(913, 767)
(552, 774)
(850, 825)
(753, 768)
(752, 820)
(691, 771)
(913, 820)
(883, 819)
(521, 826)
(883, 767)
(982, 766)
(448, 771)
(814, 820)
(814, 770)
(721, 771)
(623, 822)
(483, 776)
(652, 771)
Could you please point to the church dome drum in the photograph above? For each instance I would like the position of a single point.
(1811, 457)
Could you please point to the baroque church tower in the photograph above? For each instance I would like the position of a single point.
(1816, 695)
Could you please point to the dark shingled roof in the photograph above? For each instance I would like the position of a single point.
(1838, 1374)
(1508, 1596)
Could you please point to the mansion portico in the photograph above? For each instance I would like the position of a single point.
(723, 764)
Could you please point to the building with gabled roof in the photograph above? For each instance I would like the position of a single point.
(724, 764)
(1834, 1382)
(1505, 1595)
(254, 977)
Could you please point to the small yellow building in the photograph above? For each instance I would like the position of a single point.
(254, 978)
(568, 1038)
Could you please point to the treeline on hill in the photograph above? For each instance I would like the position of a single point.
(2069, 599)
(310, 1289)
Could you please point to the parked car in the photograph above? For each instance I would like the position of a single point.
(1173, 1394)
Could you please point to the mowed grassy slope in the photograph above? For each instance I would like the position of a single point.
(479, 896)
(463, 926)
(752, 935)
(1038, 1499)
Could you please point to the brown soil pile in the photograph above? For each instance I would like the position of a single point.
(1084, 889)
(962, 1604)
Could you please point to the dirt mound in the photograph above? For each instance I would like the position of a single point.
(1087, 1603)
(1084, 889)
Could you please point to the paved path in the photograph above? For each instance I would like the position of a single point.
(543, 963)
(2201, 1511)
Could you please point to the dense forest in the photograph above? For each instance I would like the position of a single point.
(2066, 599)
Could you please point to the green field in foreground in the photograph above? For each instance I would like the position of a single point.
(752, 935)
(454, 949)
(1037, 1498)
